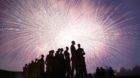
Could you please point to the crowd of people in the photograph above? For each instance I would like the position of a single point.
(106, 73)
(35, 69)
(59, 64)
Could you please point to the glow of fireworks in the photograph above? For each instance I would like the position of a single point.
(30, 28)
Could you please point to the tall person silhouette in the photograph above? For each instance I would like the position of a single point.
(50, 64)
(41, 66)
(57, 63)
(82, 71)
(73, 58)
(62, 62)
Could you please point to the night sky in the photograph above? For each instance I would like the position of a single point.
(108, 30)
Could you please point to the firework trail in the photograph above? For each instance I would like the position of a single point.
(29, 28)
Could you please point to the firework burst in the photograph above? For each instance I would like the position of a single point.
(30, 28)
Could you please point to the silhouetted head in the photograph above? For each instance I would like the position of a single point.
(26, 65)
(42, 56)
(58, 50)
(101, 68)
(61, 50)
(51, 51)
(79, 45)
(73, 42)
(67, 48)
(36, 59)
(32, 61)
(110, 68)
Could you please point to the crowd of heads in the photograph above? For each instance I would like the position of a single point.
(58, 64)
(102, 72)
(35, 69)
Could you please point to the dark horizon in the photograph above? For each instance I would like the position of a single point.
(124, 73)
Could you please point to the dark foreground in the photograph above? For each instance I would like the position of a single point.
(10, 74)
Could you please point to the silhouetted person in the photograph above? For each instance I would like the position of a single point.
(62, 62)
(25, 71)
(36, 68)
(41, 66)
(102, 71)
(50, 64)
(97, 71)
(57, 68)
(82, 71)
(67, 63)
(32, 69)
(111, 72)
(73, 58)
